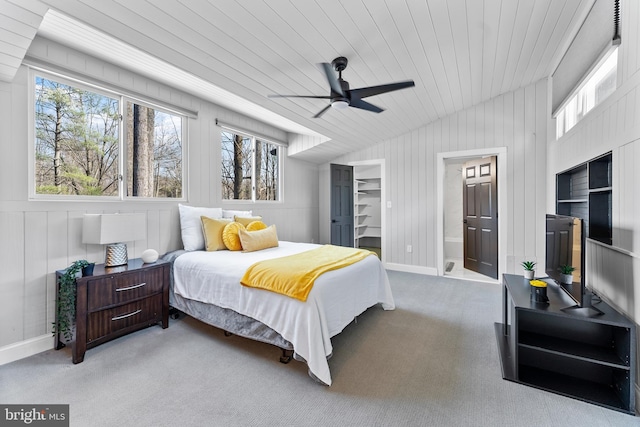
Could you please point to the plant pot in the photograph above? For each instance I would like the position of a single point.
(528, 274)
(88, 270)
(566, 279)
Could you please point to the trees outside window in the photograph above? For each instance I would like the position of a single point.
(78, 145)
(154, 152)
(250, 168)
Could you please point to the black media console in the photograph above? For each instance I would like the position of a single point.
(543, 345)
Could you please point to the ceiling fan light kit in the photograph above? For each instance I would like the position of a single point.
(340, 96)
(340, 104)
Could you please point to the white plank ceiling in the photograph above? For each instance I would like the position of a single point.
(459, 53)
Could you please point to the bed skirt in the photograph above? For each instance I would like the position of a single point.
(229, 321)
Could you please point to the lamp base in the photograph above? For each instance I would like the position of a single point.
(115, 254)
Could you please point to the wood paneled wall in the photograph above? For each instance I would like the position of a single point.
(39, 237)
(516, 120)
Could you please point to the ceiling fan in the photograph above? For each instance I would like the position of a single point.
(341, 96)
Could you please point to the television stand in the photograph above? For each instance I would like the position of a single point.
(542, 345)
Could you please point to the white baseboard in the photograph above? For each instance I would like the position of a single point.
(22, 349)
(429, 271)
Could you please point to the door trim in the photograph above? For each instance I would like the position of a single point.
(501, 154)
(383, 202)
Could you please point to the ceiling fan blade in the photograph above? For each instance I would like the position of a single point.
(299, 96)
(363, 105)
(322, 111)
(377, 90)
(331, 78)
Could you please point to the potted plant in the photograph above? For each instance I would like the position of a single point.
(529, 269)
(566, 274)
(66, 301)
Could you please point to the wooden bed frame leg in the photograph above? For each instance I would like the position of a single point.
(287, 356)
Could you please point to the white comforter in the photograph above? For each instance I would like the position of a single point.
(336, 299)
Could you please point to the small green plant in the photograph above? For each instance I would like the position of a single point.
(528, 265)
(67, 299)
(567, 269)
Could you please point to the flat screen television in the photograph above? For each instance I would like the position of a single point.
(565, 245)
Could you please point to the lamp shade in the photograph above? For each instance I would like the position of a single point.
(102, 229)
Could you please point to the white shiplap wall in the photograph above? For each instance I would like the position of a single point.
(39, 237)
(516, 120)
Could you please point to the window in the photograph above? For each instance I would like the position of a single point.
(596, 88)
(84, 137)
(250, 167)
(154, 156)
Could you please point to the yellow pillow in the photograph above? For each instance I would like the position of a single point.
(230, 236)
(212, 230)
(245, 220)
(256, 225)
(260, 239)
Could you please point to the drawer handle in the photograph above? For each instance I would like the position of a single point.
(124, 316)
(131, 287)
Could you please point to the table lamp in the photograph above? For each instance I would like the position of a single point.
(112, 230)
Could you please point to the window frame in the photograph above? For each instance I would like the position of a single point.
(122, 97)
(577, 96)
(253, 137)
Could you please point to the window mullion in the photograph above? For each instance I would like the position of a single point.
(253, 169)
(122, 161)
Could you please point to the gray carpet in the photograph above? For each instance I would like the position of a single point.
(431, 362)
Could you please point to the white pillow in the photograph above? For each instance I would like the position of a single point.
(230, 213)
(191, 225)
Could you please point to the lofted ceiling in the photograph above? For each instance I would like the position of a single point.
(235, 53)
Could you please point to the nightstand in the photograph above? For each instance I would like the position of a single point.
(115, 301)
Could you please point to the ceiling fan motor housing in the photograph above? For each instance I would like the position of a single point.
(339, 100)
(340, 63)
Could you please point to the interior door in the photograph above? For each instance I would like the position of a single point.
(480, 216)
(341, 205)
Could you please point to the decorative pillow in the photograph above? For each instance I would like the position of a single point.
(212, 230)
(257, 240)
(226, 213)
(256, 225)
(230, 236)
(191, 225)
(245, 220)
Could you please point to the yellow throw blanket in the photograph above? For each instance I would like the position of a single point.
(294, 275)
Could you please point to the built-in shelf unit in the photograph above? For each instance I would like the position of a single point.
(585, 192)
(367, 207)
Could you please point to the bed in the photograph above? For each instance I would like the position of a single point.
(206, 285)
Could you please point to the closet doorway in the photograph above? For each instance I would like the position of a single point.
(366, 214)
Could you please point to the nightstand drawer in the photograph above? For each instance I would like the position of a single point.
(104, 322)
(122, 288)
